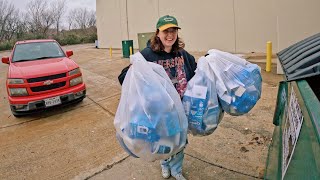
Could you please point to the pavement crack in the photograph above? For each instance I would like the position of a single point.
(111, 113)
(95, 102)
(108, 97)
(217, 165)
(109, 166)
(18, 124)
(36, 119)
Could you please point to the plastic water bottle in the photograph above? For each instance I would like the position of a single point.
(165, 145)
(212, 116)
(246, 102)
(258, 82)
(245, 77)
(167, 124)
(142, 128)
(172, 123)
(255, 75)
(155, 101)
(244, 98)
(197, 113)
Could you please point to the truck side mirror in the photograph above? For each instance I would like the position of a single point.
(69, 53)
(5, 60)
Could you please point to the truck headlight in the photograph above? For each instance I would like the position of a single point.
(15, 81)
(18, 92)
(76, 81)
(75, 71)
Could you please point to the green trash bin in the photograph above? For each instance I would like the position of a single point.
(295, 149)
(126, 44)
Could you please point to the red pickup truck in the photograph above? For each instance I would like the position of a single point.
(41, 75)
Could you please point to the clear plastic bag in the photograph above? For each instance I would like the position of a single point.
(238, 82)
(150, 117)
(201, 102)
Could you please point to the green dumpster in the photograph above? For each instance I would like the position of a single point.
(143, 38)
(126, 45)
(295, 149)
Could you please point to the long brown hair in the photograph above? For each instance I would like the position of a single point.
(157, 46)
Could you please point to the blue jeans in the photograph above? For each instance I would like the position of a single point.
(174, 163)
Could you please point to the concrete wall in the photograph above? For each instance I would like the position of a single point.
(297, 20)
(255, 24)
(142, 17)
(229, 25)
(209, 24)
(109, 23)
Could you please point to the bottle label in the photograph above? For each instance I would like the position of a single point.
(171, 123)
(141, 131)
(197, 102)
(163, 150)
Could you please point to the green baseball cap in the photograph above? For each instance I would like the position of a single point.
(166, 22)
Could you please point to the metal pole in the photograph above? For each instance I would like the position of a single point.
(269, 56)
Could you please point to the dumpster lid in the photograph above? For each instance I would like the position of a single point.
(302, 59)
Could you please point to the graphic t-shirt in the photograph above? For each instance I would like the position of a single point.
(179, 66)
(176, 72)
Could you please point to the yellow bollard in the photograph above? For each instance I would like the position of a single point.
(269, 56)
(130, 50)
(110, 51)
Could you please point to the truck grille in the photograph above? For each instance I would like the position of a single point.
(48, 87)
(44, 78)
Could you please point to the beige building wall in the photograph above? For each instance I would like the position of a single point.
(255, 24)
(229, 25)
(205, 25)
(297, 20)
(109, 23)
(142, 17)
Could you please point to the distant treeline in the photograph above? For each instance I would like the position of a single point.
(42, 20)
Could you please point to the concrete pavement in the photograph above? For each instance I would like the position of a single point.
(78, 142)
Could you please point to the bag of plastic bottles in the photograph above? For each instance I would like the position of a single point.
(150, 118)
(201, 102)
(238, 82)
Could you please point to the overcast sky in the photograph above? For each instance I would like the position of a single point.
(89, 4)
(71, 4)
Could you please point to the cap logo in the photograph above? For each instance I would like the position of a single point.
(167, 19)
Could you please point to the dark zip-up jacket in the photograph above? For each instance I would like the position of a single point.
(179, 66)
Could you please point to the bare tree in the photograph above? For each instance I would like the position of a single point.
(91, 19)
(12, 24)
(58, 10)
(70, 18)
(81, 18)
(40, 16)
(22, 27)
(8, 20)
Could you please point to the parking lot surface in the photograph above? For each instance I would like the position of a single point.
(78, 141)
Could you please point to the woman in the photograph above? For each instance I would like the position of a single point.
(166, 48)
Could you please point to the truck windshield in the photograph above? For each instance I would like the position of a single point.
(37, 51)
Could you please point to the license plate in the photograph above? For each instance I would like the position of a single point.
(52, 101)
